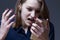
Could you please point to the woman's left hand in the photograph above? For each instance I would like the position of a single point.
(40, 29)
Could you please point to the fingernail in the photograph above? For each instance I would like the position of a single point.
(7, 9)
(15, 13)
(33, 28)
(34, 24)
(11, 9)
(47, 19)
(34, 17)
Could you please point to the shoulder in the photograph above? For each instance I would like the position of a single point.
(13, 35)
(51, 34)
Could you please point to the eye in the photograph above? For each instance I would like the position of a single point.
(29, 9)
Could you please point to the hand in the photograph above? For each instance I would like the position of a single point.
(5, 23)
(40, 29)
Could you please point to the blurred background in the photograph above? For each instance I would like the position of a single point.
(53, 6)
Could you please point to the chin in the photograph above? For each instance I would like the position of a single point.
(28, 24)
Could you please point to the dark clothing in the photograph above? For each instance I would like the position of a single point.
(19, 34)
(51, 34)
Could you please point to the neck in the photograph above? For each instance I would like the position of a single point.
(25, 29)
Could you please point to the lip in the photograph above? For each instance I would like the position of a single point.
(31, 20)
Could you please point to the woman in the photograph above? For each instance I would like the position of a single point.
(32, 20)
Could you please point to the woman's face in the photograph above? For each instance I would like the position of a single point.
(30, 10)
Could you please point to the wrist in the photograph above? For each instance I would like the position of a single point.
(2, 35)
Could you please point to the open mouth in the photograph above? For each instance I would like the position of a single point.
(31, 19)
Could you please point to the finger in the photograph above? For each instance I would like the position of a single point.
(7, 15)
(9, 25)
(33, 32)
(36, 32)
(45, 23)
(34, 29)
(39, 29)
(36, 26)
(4, 13)
(10, 18)
(39, 22)
(48, 27)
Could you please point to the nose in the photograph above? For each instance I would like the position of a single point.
(32, 14)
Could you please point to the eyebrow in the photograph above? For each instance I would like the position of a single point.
(33, 8)
(30, 7)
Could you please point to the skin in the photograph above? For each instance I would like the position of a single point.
(30, 9)
(5, 23)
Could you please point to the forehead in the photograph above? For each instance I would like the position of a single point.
(32, 3)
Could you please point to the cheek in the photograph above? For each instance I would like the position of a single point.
(24, 13)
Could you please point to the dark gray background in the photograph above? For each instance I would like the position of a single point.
(54, 8)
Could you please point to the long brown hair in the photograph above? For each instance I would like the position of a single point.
(44, 11)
